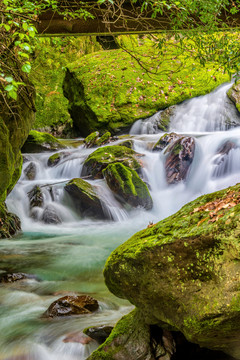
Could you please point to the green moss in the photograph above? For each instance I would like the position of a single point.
(9, 223)
(102, 157)
(103, 139)
(91, 139)
(116, 90)
(84, 187)
(126, 183)
(40, 141)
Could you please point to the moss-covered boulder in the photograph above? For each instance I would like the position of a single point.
(133, 339)
(104, 139)
(85, 198)
(183, 272)
(94, 140)
(109, 90)
(234, 94)
(127, 186)
(101, 158)
(180, 154)
(38, 141)
(128, 143)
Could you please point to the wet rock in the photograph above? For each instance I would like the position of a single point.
(55, 158)
(127, 143)
(180, 155)
(72, 305)
(184, 271)
(50, 216)
(165, 140)
(101, 158)
(36, 197)
(127, 186)
(222, 161)
(30, 171)
(13, 277)
(165, 117)
(78, 337)
(99, 333)
(85, 198)
(40, 141)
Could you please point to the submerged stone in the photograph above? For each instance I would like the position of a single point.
(183, 272)
(127, 186)
(40, 141)
(85, 198)
(101, 158)
(72, 305)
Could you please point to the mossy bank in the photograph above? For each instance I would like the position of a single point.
(109, 90)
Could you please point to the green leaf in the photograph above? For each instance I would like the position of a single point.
(9, 87)
(7, 27)
(13, 94)
(25, 26)
(26, 68)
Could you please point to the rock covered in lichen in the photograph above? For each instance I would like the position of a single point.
(41, 141)
(85, 198)
(184, 272)
(127, 186)
(102, 157)
(165, 140)
(54, 159)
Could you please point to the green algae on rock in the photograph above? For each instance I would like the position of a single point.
(109, 90)
(85, 198)
(183, 272)
(127, 186)
(40, 141)
(102, 157)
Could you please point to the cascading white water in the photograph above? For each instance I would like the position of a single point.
(70, 256)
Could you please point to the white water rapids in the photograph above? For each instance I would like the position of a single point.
(69, 257)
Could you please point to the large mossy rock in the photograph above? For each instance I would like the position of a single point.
(40, 141)
(183, 273)
(85, 198)
(109, 90)
(127, 186)
(101, 158)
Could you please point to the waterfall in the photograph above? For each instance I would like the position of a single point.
(68, 256)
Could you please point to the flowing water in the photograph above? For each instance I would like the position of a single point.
(69, 257)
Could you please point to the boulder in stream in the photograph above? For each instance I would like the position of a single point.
(41, 141)
(179, 157)
(54, 159)
(127, 186)
(102, 157)
(72, 305)
(183, 273)
(50, 216)
(85, 198)
(98, 333)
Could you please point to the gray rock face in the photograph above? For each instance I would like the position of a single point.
(30, 171)
(50, 216)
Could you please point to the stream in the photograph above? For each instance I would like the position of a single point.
(69, 257)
